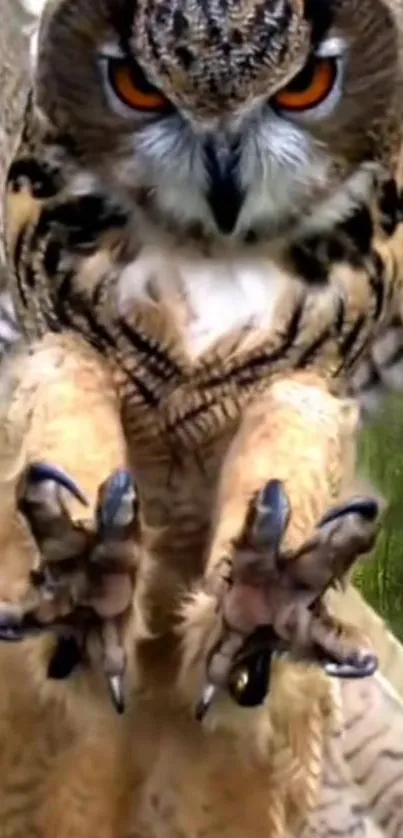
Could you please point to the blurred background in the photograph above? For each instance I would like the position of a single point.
(381, 459)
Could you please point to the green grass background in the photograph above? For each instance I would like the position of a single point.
(381, 458)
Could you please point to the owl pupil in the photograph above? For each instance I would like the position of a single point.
(139, 79)
(304, 78)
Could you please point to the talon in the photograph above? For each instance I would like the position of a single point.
(82, 582)
(368, 508)
(116, 689)
(41, 472)
(117, 506)
(114, 663)
(271, 514)
(248, 684)
(206, 699)
(363, 668)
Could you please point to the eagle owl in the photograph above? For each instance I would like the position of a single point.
(206, 195)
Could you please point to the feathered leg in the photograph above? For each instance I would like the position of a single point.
(278, 544)
(79, 502)
(340, 809)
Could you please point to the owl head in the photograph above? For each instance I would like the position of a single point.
(235, 120)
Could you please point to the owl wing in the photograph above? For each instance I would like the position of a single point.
(362, 781)
(373, 749)
(381, 369)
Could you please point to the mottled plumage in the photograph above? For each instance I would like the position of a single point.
(206, 197)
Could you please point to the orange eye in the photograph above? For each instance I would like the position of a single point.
(132, 87)
(310, 87)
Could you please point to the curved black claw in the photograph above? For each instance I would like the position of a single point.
(271, 514)
(248, 683)
(83, 581)
(367, 507)
(43, 472)
(363, 668)
(117, 506)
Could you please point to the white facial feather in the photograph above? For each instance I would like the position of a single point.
(168, 157)
(280, 165)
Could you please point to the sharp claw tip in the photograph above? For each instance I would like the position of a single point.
(40, 472)
(205, 701)
(115, 683)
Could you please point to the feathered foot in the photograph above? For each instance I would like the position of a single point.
(272, 604)
(83, 585)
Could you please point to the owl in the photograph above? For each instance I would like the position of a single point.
(205, 199)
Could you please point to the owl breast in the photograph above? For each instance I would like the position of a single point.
(210, 297)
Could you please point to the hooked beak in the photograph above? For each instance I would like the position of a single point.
(224, 195)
